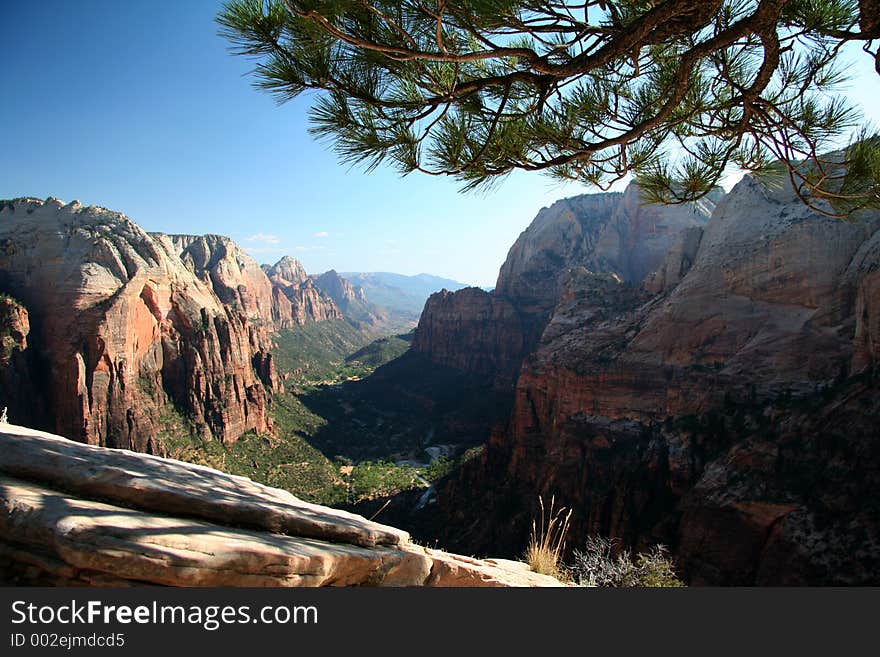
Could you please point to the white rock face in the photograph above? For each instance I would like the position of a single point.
(605, 233)
(125, 517)
(770, 293)
(727, 408)
(125, 325)
(130, 322)
(288, 270)
(678, 262)
(613, 233)
(236, 279)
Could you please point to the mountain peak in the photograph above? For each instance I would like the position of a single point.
(339, 288)
(287, 269)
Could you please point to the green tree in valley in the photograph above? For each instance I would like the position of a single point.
(674, 91)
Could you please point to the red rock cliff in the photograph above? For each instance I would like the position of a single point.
(296, 299)
(21, 395)
(472, 330)
(132, 323)
(491, 333)
(350, 299)
(731, 415)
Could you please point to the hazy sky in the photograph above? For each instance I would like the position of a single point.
(139, 107)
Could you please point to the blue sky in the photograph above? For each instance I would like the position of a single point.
(139, 107)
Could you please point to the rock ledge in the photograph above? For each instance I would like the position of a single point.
(75, 514)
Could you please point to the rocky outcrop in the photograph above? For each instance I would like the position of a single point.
(605, 233)
(73, 514)
(678, 262)
(14, 328)
(725, 408)
(130, 332)
(287, 271)
(296, 305)
(339, 289)
(772, 494)
(296, 300)
(609, 233)
(236, 280)
(792, 500)
(867, 333)
(864, 274)
(20, 392)
(351, 300)
(767, 307)
(489, 326)
(132, 325)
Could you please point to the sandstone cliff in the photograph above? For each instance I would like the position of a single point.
(131, 323)
(491, 333)
(73, 514)
(21, 393)
(296, 299)
(606, 233)
(725, 408)
(288, 271)
(472, 330)
(351, 300)
(339, 289)
(236, 280)
(120, 330)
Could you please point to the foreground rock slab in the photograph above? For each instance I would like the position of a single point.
(169, 486)
(74, 514)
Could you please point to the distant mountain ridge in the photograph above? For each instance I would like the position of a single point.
(383, 301)
(399, 293)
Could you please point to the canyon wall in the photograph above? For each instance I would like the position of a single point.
(725, 407)
(490, 333)
(115, 330)
(473, 330)
(296, 298)
(351, 299)
(23, 396)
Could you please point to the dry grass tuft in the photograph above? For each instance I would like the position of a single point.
(547, 540)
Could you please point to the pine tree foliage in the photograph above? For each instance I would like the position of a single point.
(674, 91)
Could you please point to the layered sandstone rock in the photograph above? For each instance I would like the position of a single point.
(339, 288)
(21, 395)
(131, 323)
(730, 415)
(14, 328)
(296, 299)
(609, 233)
(287, 271)
(127, 518)
(867, 333)
(792, 502)
(678, 262)
(471, 330)
(236, 280)
(864, 274)
(605, 233)
(768, 307)
(351, 299)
